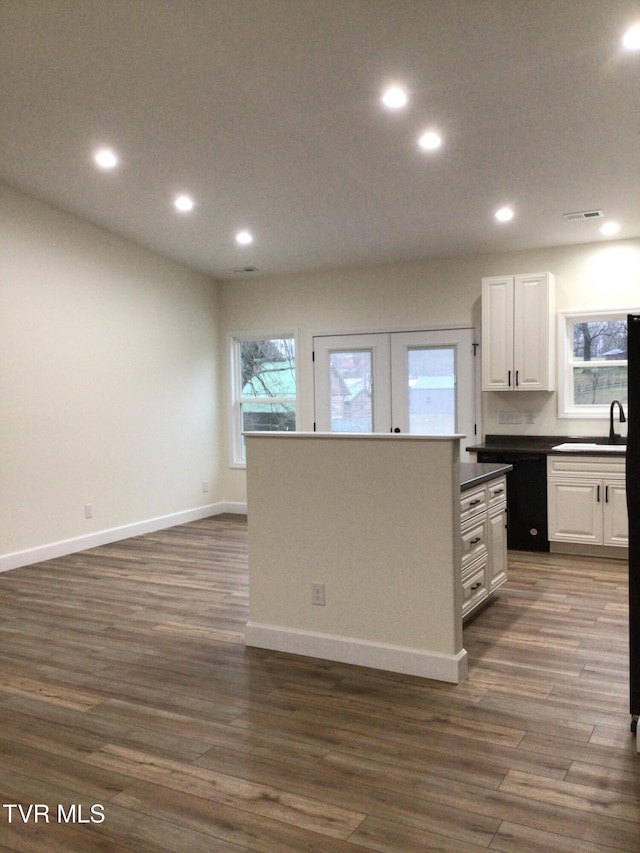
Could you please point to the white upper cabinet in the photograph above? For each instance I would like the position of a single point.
(518, 333)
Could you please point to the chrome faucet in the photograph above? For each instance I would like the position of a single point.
(613, 436)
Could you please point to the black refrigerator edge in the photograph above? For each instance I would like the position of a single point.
(633, 509)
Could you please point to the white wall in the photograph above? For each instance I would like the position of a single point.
(108, 383)
(113, 363)
(414, 295)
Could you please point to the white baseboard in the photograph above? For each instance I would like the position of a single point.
(103, 537)
(409, 661)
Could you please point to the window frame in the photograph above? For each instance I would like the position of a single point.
(566, 320)
(235, 341)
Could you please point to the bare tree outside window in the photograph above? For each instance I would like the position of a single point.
(266, 386)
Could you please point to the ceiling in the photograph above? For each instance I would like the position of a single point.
(268, 112)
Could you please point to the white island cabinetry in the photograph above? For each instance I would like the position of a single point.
(355, 547)
(483, 520)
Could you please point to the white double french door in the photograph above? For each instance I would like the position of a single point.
(420, 383)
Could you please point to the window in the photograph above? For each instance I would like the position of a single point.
(264, 387)
(592, 362)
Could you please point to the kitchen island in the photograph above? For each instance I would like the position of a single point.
(355, 549)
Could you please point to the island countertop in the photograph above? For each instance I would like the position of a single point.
(475, 473)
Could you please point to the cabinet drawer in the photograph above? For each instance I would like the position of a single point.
(474, 589)
(474, 540)
(586, 466)
(473, 502)
(497, 491)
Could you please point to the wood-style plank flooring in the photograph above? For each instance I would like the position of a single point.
(125, 685)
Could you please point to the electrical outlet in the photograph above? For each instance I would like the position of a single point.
(507, 417)
(317, 594)
(88, 510)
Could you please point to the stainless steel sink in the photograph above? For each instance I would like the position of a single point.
(582, 447)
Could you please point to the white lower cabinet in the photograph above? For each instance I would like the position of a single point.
(484, 542)
(586, 498)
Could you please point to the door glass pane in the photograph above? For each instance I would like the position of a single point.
(351, 391)
(432, 390)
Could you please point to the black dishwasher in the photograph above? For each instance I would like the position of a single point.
(526, 498)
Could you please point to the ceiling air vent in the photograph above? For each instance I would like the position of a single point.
(583, 214)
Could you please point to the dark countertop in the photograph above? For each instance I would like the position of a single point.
(536, 443)
(476, 473)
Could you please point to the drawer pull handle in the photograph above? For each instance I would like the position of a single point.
(476, 586)
(476, 540)
(476, 502)
(498, 491)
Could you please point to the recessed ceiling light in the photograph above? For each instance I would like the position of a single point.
(504, 214)
(631, 39)
(105, 158)
(430, 140)
(394, 97)
(244, 238)
(183, 203)
(609, 229)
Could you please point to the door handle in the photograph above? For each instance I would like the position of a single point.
(397, 429)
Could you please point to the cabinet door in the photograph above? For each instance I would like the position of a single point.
(616, 520)
(574, 510)
(497, 333)
(432, 383)
(497, 564)
(531, 360)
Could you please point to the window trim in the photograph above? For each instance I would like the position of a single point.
(566, 320)
(235, 339)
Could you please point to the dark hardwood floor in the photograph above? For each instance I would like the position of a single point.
(125, 686)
